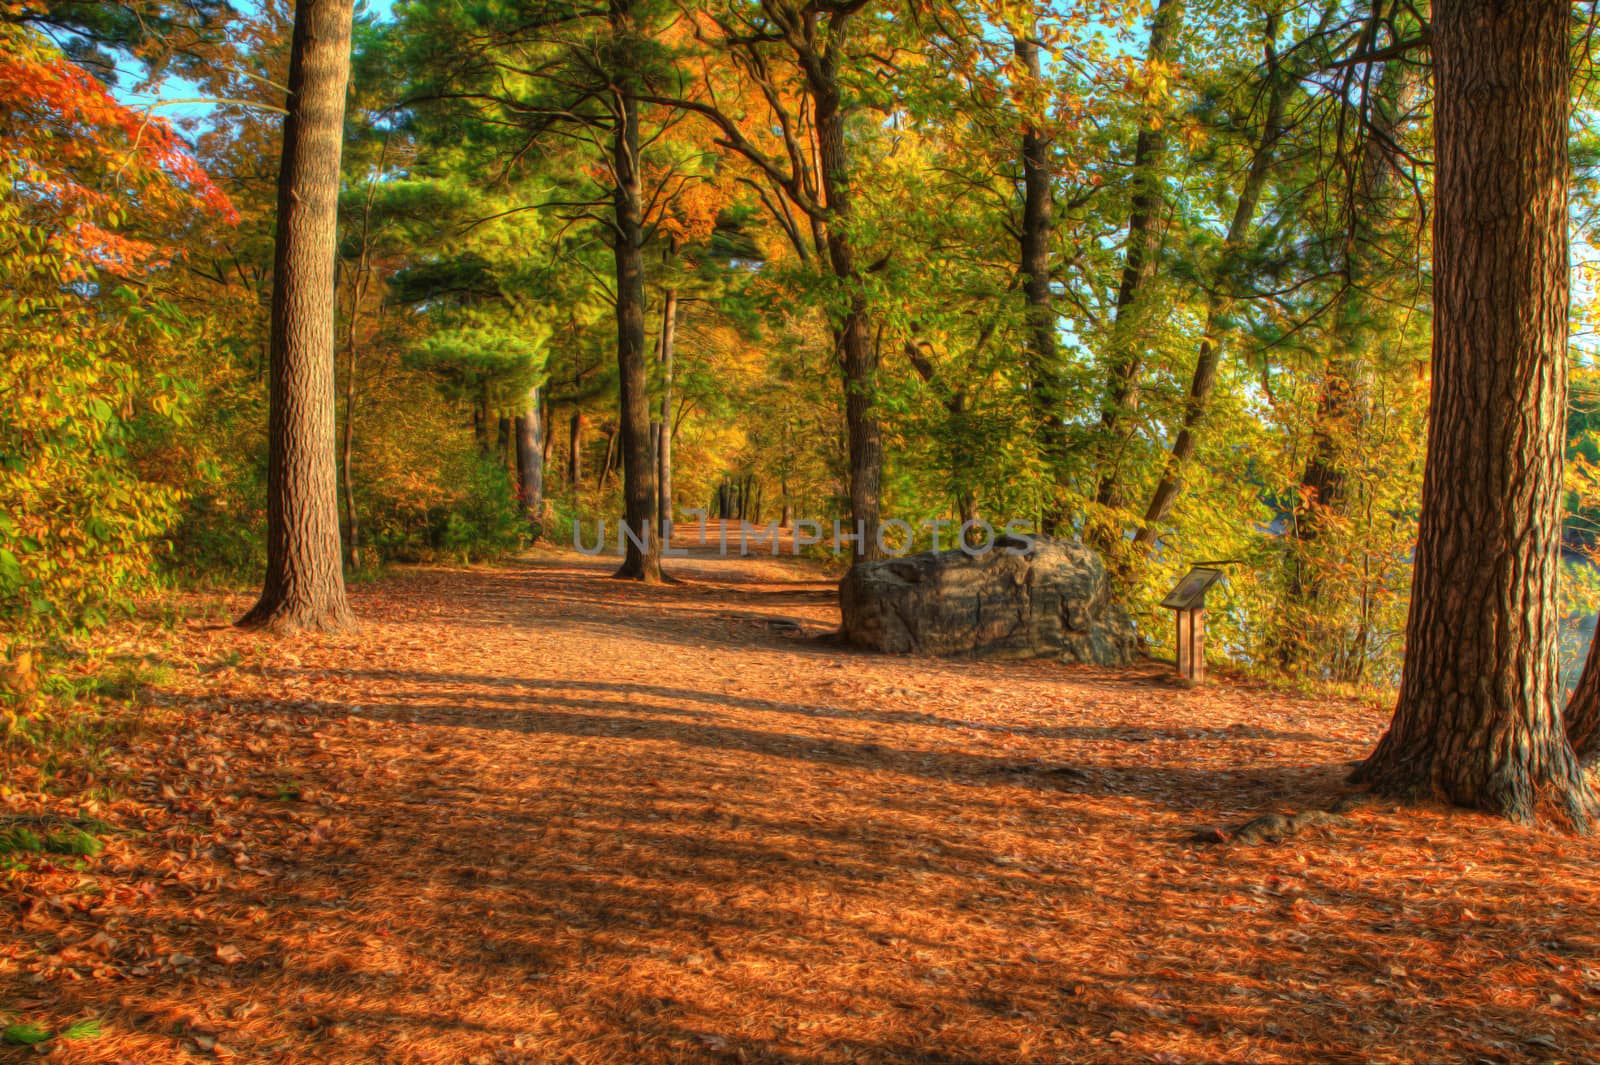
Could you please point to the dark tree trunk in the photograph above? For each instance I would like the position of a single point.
(1045, 386)
(347, 447)
(505, 442)
(304, 585)
(544, 423)
(857, 352)
(481, 414)
(638, 473)
(1477, 722)
(575, 452)
(359, 286)
(611, 458)
(530, 437)
(1209, 357)
(1141, 256)
(669, 339)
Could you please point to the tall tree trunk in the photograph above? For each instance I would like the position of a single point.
(1141, 256)
(1477, 722)
(530, 461)
(358, 296)
(575, 452)
(304, 585)
(669, 339)
(638, 472)
(853, 340)
(346, 457)
(1219, 302)
(1045, 385)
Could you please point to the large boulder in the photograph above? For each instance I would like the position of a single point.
(1022, 598)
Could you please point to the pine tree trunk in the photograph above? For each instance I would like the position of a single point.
(304, 585)
(1208, 359)
(638, 472)
(1477, 722)
(1141, 256)
(669, 339)
(1045, 386)
(857, 352)
(530, 461)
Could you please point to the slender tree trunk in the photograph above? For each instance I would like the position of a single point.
(1203, 383)
(575, 452)
(669, 337)
(638, 472)
(1477, 722)
(1045, 385)
(1141, 256)
(544, 422)
(304, 585)
(611, 458)
(530, 435)
(346, 458)
(358, 296)
(481, 416)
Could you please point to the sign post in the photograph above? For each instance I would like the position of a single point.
(1188, 602)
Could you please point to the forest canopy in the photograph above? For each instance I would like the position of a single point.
(1157, 276)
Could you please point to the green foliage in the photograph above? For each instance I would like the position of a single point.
(24, 1034)
(484, 522)
(79, 525)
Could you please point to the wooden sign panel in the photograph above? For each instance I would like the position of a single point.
(1191, 591)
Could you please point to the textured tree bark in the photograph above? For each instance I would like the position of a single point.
(669, 339)
(1207, 361)
(1045, 387)
(1477, 722)
(304, 585)
(530, 433)
(1141, 256)
(638, 472)
(857, 353)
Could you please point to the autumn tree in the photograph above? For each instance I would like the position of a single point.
(797, 65)
(304, 586)
(1477, 722)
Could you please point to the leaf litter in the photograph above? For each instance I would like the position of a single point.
(529, 814)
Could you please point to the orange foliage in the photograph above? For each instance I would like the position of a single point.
(81, 159)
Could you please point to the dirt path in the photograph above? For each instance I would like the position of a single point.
(530, 815)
